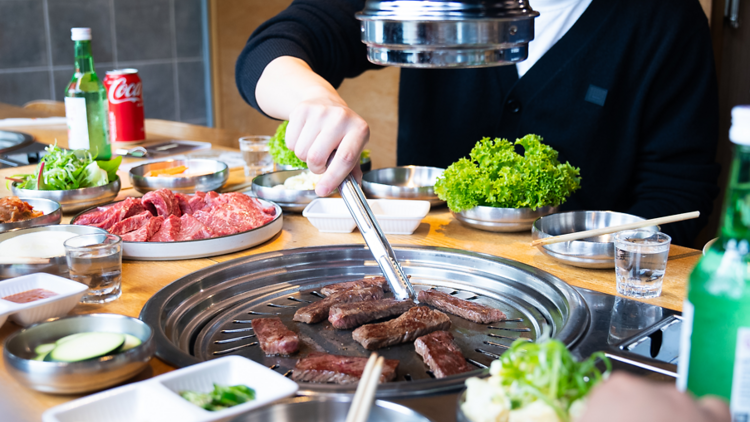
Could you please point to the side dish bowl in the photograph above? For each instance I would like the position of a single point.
(405, 182)
(67, 295)
(52, 215)
(73, 200)
(288, 199)
(201, 175)
(593, 252)
(83, 376)
(505, 220)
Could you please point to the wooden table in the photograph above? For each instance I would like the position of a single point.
(141, 279)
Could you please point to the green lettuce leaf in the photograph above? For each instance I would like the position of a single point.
(110, 166)
(280, 153)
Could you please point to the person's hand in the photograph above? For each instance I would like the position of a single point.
(625, 398)
(324, 126)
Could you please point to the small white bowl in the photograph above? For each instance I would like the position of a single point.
(330, 215)
(69, 292)
(158, 398)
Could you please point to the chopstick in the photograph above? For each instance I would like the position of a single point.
(614, 229)
(26, 260)
(368, 384)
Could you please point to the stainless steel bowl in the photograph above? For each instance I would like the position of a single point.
(56, 265)
(288, 200)
(212, 175)
(502, 219)
(52, 215)
(329, 409)
(593, 252)
(73, 200)
(405, 182)
(365, 165)
(77, 377)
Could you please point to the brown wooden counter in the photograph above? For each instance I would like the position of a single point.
(141, 279)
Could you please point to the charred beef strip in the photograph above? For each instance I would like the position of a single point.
(441, 354)
(324, 368)
(274, 338)
(344, 316)
(356, 284)
(416, 322)
(463, 308)
(318, 311)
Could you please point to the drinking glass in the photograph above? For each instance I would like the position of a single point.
(640, 262)
(255, 153)
(96, 261)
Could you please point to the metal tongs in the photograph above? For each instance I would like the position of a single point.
(381, 249)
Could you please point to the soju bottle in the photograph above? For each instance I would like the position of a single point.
(86, 102)
(715, 346)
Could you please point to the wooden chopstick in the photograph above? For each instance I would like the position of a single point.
(368, 384)
(24, 260)
(614, 229)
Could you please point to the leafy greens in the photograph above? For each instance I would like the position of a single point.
(221, 397)
(284, 156)
(70, 169)
(496, 176)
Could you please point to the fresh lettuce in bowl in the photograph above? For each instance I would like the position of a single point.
(495, 175)
(285, 157)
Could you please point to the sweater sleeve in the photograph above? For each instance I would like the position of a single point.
(676, 170)
(323, 33)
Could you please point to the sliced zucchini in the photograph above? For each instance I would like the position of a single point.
(131, 341)
(68, 338)
(86, 346)
(43, 349)
(41, 357)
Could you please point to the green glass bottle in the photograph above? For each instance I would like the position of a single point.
(715, 346)
(86, 102)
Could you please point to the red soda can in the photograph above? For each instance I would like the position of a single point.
(125, 97)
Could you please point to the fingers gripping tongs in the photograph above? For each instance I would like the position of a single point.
(375, 239)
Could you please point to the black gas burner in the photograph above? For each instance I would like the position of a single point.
(19, 149)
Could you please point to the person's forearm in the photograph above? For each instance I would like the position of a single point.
(288, 81)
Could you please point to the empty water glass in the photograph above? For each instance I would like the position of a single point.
(640, 262)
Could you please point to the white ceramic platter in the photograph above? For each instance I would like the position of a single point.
(203, 248)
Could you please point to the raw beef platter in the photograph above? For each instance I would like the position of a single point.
(165, 216)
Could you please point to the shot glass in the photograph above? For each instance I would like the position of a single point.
(640, 262)
(255, 154)
(96, 261)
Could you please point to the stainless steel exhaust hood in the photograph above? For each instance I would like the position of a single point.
(447, 34)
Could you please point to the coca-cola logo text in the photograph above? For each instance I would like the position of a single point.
(122, 92)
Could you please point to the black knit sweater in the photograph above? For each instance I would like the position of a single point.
(628, 95)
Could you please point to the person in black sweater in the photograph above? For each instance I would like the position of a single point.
(628, 94)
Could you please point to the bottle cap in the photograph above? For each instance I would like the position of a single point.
(739, 133)
(80, 34)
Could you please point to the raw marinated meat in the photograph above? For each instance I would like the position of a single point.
(441, 354)
(325, 368)
(192, 229)
(416, 322)
(184, 202)
(463, 308)
(274, 337)
(106, 217)
(349, 315)
(131, 223)
(161, 202)
(318, 311)
(168, 231)
(145, 232)
(233, 213)
(347, 285)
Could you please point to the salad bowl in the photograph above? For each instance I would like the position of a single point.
(505, 220)
(73, 200)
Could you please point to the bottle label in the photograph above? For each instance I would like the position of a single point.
(78, 127)
(740, 401)
(683, 363)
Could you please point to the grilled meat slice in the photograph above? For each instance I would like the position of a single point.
(349, 315)
(441, 354)
(274, 338)
(324, 368)
(318, 311)
(416, 322)
(463, 308)
(356, 284)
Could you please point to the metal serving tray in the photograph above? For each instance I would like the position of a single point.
(207, 314)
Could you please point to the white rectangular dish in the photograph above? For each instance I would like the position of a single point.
(394, 216)
(69, 293)
(158, 399)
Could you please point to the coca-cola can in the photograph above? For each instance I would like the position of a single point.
(125, 97)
